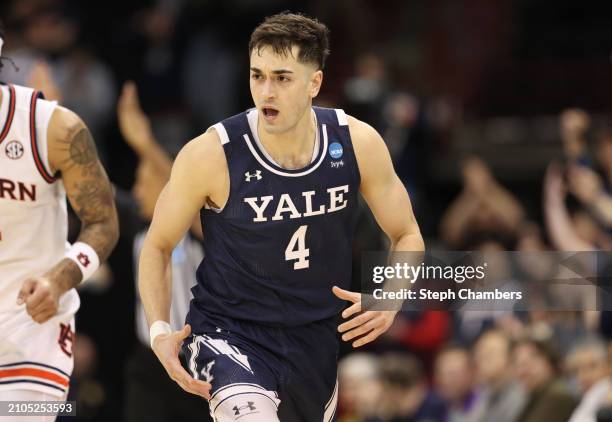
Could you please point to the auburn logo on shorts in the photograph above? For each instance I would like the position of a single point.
(66, 339)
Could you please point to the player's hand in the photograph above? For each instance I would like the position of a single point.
(167, 347)
(366, 325)
(41, 298)
(135, 126)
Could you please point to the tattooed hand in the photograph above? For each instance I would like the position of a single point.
(72, 154)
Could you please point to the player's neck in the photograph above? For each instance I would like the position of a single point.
(294, 148)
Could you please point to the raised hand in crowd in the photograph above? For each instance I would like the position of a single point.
(41, 79)
(135, 128)
(588, 187)
(558, 221)
(483, 204)
(573, 125)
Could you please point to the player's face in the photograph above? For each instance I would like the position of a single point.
(282, 88)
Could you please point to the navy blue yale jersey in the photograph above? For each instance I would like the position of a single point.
(283, 239)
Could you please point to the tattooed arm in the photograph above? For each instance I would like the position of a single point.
(72, 155)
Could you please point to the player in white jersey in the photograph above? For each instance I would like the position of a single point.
(46, 154)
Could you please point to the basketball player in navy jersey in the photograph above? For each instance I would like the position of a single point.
(276, 188)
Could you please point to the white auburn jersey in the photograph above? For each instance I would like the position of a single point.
(33, 214)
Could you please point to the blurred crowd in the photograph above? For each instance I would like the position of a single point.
(532, 365)
(146, 79)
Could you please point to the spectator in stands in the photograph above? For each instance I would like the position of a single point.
(482, 206)
(603, 154)
(536, 363)
(359, 387)
(454, 382)
(368, 89)
(588, 362)
(406, 397)
(589, 188)
(150, 394)
(577, 232)
(476, 316)
(574, 124)
(501, 399)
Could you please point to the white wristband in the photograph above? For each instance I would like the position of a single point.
(157, 328)
(85, 257)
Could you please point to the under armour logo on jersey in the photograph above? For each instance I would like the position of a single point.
(83, 259)
(248, 176)
(250, 405)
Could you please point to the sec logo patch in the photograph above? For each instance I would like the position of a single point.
(14, 150)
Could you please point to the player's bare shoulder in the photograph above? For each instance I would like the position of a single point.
(370, 148)
(68, 137)
(202, 166)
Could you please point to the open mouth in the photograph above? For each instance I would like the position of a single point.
(269, 112)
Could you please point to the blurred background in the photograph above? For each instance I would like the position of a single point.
(497, 116)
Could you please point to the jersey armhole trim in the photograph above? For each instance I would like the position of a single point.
(49, 178)
(224, 140)
(221, 132)
(342, 119)
(9, 114)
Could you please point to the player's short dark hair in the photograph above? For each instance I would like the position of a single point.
(285, 30)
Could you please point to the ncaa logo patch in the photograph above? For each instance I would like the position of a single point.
(335, 150)
(14, 150)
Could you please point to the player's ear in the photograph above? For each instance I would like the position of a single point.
(315, 83)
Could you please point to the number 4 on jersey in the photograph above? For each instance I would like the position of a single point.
(296, 249)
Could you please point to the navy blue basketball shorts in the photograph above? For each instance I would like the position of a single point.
(267, 374)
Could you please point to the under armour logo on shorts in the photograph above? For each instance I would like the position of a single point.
(83, 259)
(250, 405)
(248, 176)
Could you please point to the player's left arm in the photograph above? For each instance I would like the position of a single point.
(72, 154)
(386, 196)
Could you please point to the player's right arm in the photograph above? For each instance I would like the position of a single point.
(72, 155)
(199, 176)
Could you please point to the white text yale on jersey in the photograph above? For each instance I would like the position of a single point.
(285, 205)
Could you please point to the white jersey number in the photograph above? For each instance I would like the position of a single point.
(296, 249)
